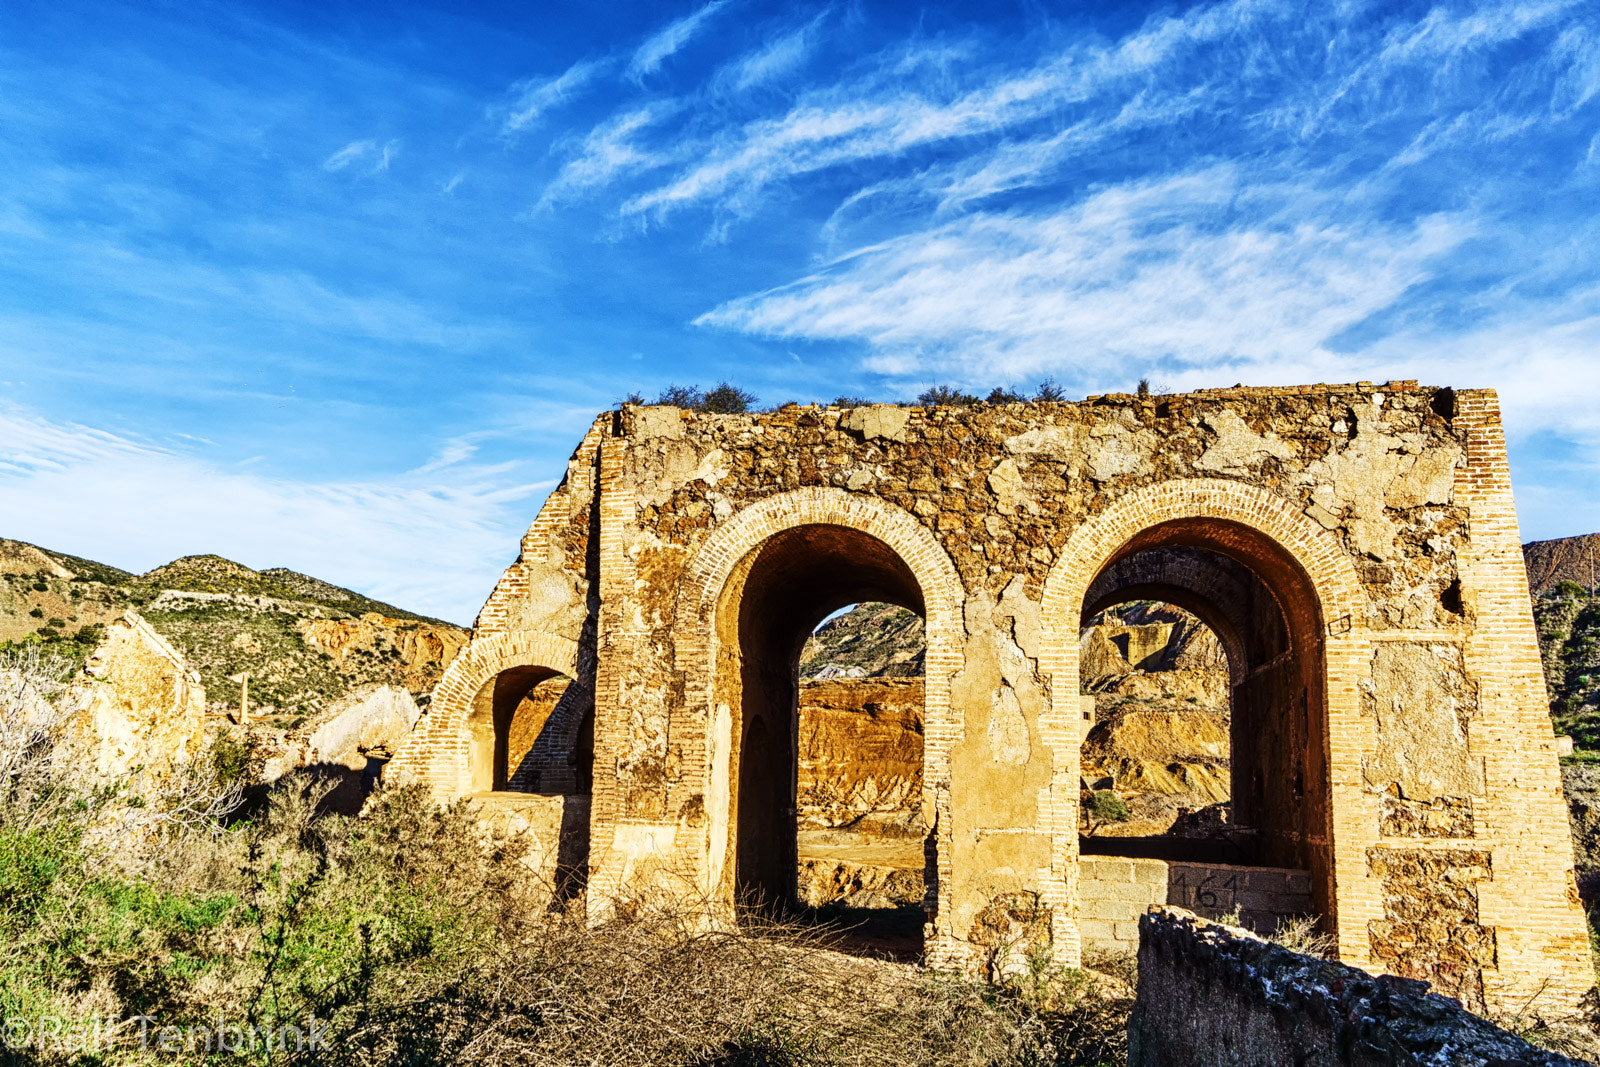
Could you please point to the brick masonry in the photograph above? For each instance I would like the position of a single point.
(1397, 723)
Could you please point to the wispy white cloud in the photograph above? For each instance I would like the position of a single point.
(1188, 270)
(349, 154)
(610, 151)
(909, 101)
(536, 98)
(433, 540)
(779, 58)
(374, 157)
(661, 45)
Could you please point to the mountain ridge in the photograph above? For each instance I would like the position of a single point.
(304, 642)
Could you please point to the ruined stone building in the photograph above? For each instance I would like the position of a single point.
(1354, 548)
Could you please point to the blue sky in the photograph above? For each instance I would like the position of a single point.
(337, 286)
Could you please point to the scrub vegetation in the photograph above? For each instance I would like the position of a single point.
(207, 906)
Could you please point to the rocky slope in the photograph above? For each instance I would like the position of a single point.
(1569, 638)
(1564, 559)
(304, 643)
(1160, 738)
(868, 641)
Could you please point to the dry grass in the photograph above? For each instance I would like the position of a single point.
(410, 939)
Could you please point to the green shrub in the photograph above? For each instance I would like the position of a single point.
(724, 398)
(1570, 590)
(945, 395)
(414, 939)
(1106, 806)
(30, 862)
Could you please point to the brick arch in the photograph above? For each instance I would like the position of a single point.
(436, 751)
(1339, 615)
(708, 575)
(1092, 545)
(912, 541)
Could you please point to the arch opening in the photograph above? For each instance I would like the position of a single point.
(1266, 617)
(798, 747)
(530, 729)
(1156, 755)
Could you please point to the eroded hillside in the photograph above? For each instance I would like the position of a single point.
(304, 643)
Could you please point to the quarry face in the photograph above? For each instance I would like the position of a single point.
(1352, 548)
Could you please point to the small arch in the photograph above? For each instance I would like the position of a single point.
(442, 751)
(903, 532)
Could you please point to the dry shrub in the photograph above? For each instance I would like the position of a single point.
(1575, 1034)
(650, 991)
(412, 938)
(409, 940)
(1300, 933)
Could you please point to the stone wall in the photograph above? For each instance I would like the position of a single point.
(1220, 996)
(552, 831)
(1368, 530)
(1114, 893)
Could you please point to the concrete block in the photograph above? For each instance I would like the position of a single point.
(1110, 909)
(1271, 882)
(1109, 869)
(1142, 893)
(1151, 872)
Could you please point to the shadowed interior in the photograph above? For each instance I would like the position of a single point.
(531, 730)
(1265, 612)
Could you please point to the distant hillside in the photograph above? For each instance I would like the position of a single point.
(1565, 559)
(1569, 638)
(868, 641)
(1569, 632)
(303, 641)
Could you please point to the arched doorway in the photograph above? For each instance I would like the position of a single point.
(1300, 701)
(714, 633)
(776, 595)
(1217, 571)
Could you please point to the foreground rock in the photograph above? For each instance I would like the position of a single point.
(347, 743)
(142, 704)
(1219, 995)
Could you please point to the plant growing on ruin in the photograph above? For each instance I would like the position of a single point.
(945, 395)
(1300, 933)
(724, 398)
(1103, 806)
(727, 399)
